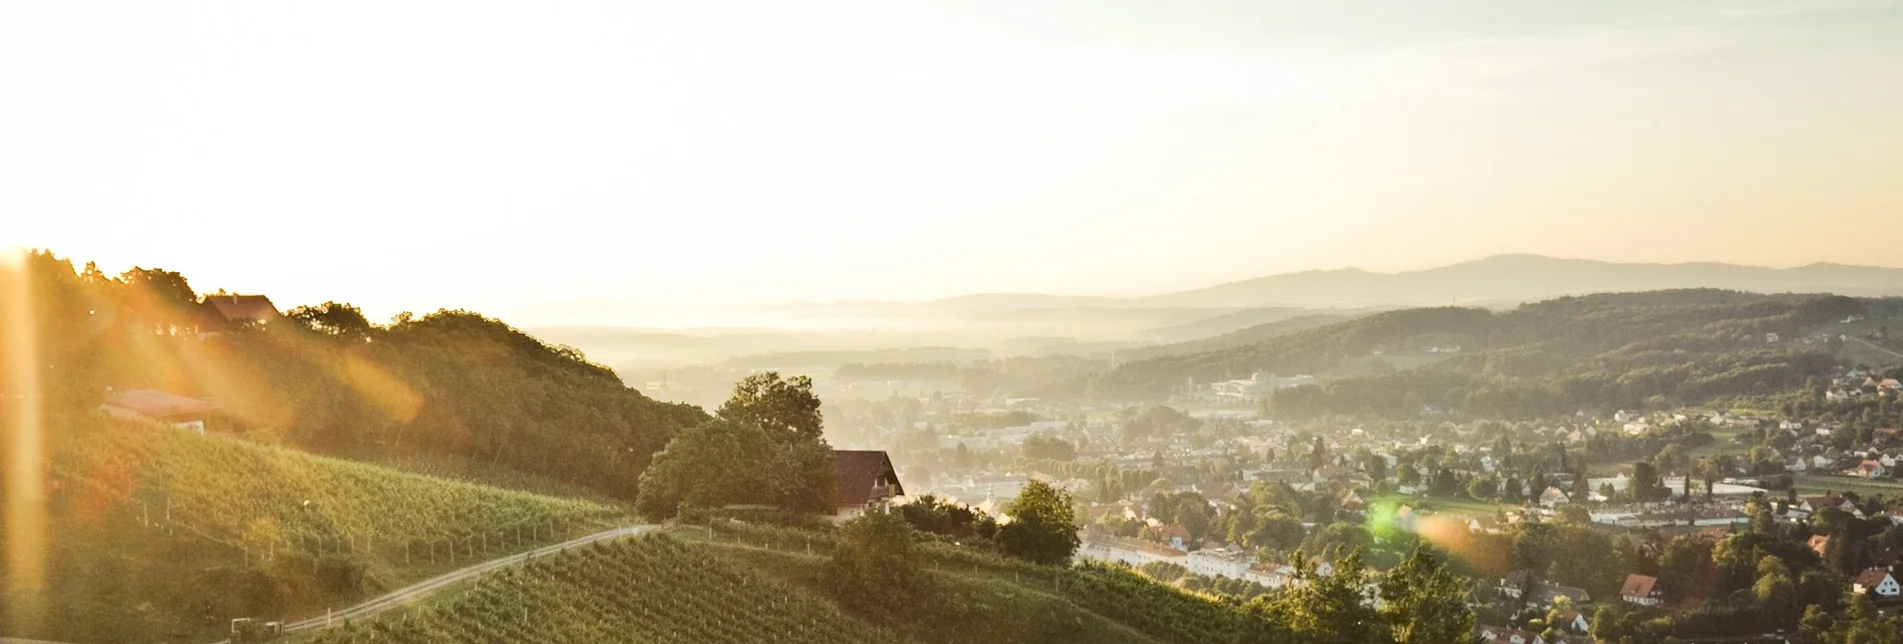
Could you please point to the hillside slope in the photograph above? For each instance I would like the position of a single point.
(462, 391)
(681, 589)
(1599, 350)
(157, 532)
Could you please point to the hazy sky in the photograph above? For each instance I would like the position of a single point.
(523, 158)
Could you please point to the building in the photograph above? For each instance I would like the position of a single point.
(1269, 575)
(1228, 561)
(1131, 552)
(1877, 581)
(865, 479)
(159, 407)
(1553, 496)
(1506, 635)
(1815, 504)
(1641, 590)
(1572, 621)
(223, 312)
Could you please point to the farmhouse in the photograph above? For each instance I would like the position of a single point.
(866, 479)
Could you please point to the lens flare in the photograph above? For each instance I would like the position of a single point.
(1450, 534)
(25, 463)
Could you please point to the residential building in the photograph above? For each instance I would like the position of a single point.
(1131, 552)
(1571, 621)
(221, 312)
(1876, 581)
(1228, 561)
(1641, 590)
(865, 479)
(1506, 635)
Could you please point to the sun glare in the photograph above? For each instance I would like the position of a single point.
(25, 496)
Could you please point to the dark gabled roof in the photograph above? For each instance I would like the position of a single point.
(242, 308)
(859, 472)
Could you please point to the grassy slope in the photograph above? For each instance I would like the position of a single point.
(681, 587)
(148, 526)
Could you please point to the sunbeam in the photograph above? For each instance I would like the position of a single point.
(25, 463)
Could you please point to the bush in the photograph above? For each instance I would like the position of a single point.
(874, 563)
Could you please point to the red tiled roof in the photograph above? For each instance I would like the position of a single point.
(1870, 578)
(1638, 586)
(1819, 543)
(860, 471)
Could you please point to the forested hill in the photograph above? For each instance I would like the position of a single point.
(460, 391)
(1608, 350)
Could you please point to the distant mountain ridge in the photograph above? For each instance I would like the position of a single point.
(1533, 277)
(1501, 278)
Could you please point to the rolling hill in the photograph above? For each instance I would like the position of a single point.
(1599, 350)
(1519, 278)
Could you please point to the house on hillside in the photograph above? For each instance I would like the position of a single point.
(1819, 543)
(1641, 590)
(865, 479)
(1554, 496)
(1868, 469)
(161, 408)
(1877, 581)
(226, 312)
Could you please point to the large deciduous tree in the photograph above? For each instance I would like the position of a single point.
(1424, 603)
(1043, 527)
(785, 407)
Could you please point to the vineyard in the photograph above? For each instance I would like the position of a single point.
(156, 533)
(762, 585)
(265, 501)
(1119, 595)
(651, 589)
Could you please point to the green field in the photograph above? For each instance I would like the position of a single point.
(1722, 443)
(1814, 484)
(158, 533)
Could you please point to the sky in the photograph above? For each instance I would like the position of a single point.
(544, 160)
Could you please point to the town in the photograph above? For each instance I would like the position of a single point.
(1650, 523)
